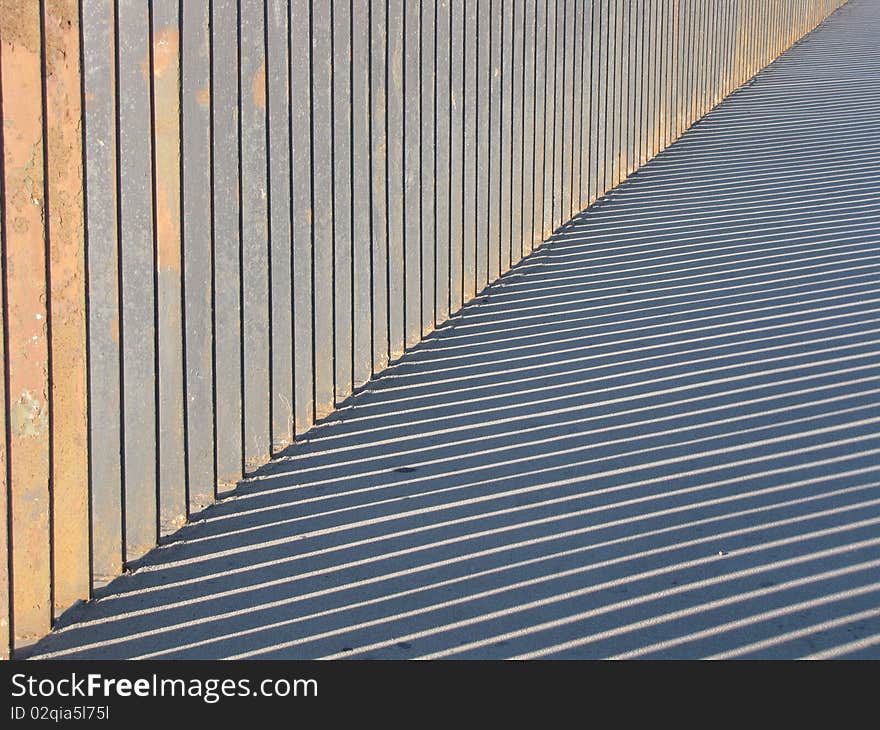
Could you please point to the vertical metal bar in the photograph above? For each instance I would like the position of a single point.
(459, 163)
(637, 79)
(600, 96)
(278, 111)
(378, 123)
(411, 192)
(518, 138)
(341, 205)
(530, 111)
(716, 50)
(493, 135)
(138, 263)
(691, 70)
(580, 107)
(505, 110)
(396, 180)
(649, 64)
(227, 242)
(655, 51)
(361, 212)
(105, 422)
(701, 69)
(165, 90)
(562, 113)
(729, 11)
(256, 358)
(619, 114)
(659, 86)
(540, 124)
(412, 161)
(673, 80)
(630, 121)
(471, 162)
(703, 20)
(26, 345)
(569, 108)
(610, 86)
(428, 174)
(588, 105)
(443, 143)
(301, 212)
(322, 206)
(198, 252)
(483, 71)
(549, 121)
(67, 304)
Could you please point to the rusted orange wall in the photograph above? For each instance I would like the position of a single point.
(27, 356)
(67, 305)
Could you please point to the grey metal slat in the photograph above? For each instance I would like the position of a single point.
(412, 162)
(618, 145)
(395, 178)
(227, 274)
(198, 253)
(280, 229)
(138, 331)
(470, 72)
(255, 235)
(105, 422)
(560, 110)
(301, 214)
(518, 137)
(599, 90)
(165, 81)
(550, 119)
(495, 121)
(539, 125)
(378, 35)
(482, 69)
(443, 144)
(588, 104)
(322, 208)
(361, 213)
(428, 174)
(580, 107)
(529, 136)
(566, 106)
(343, 233)
(506, 147)
(458, 162)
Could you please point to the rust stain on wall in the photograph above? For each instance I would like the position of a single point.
(203, 97)
(24, 269)
(18, 29)
(258, 86)
(166, 90)
(67, 306)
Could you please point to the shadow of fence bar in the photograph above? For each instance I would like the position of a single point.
(222, 217)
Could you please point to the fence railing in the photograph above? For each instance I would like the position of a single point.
(220, 217)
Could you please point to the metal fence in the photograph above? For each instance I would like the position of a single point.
(220, 217)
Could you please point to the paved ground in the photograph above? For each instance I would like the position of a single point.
(658, 437)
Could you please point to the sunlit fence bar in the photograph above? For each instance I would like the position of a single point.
(222, 217)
